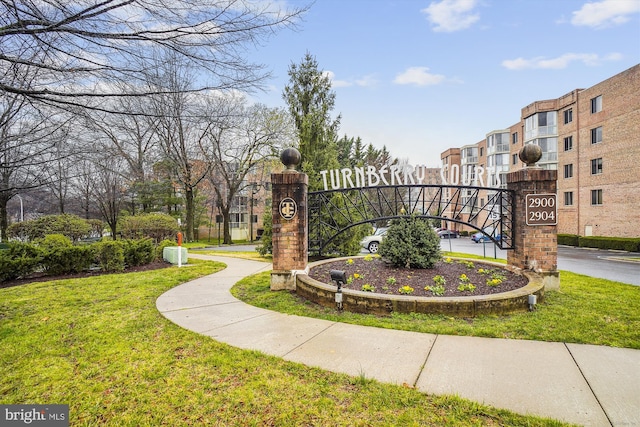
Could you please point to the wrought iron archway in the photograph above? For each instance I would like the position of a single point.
(335, 211)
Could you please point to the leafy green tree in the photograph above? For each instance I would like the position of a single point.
(311, 101)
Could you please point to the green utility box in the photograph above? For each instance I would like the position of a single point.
(170, 254)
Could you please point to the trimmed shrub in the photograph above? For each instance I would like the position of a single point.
(53, 248)
(71, 226)
(616, 243)
(18, 260)
(110, 255)
(138, 252)
(60, 256)
(568, 239)
(411, 243)
(157, 226)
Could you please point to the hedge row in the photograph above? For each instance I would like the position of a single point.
(55, 254)
(629, 244)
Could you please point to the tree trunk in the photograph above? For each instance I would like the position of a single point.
(114, 228)
(190, 209)
(226, 226)
(4, 220)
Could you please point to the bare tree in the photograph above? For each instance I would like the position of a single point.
(59, 169)
(108, 190)
(236, 143)
(132, 138)
(81, 47)
(82, 190)
(28, 137)
(177, 130)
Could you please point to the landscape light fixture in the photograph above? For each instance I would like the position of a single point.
(340, 278)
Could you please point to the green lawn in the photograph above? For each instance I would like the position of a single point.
(99, 345)
(586, 310)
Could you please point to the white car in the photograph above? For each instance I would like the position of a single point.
(371, 243)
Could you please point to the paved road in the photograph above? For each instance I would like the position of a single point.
(591, 262)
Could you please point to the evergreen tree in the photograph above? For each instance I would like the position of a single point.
(311, 101)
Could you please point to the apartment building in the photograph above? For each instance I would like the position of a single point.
(592, 137)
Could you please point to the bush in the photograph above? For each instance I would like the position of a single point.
(18, 260)
(157, 226)
(616, 243)
(60, 256)
(71, 226)
(568, 239)
(266, 240)
(138, 252)
(162, 245)
(110, 255)
(411, 243)
(53, 248)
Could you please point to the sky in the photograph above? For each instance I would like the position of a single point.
(422, 76)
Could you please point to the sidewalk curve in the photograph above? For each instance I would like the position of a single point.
(582, 384)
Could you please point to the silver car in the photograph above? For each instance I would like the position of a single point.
(371, 243)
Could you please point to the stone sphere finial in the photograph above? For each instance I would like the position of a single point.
(290, 157)
(530, 154)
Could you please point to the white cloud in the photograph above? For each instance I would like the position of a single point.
(451, 15)
(563, 61)
(605, 13)
(336, 83)
(364, 81)
(367, 81)
(418, 76)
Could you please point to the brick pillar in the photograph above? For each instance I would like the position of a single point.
(290, 229)
(535, 246)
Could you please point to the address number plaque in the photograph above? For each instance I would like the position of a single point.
(541, 209)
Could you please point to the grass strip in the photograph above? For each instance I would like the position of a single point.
(585, 310)
(100, 345)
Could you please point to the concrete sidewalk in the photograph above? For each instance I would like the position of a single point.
(582, 384)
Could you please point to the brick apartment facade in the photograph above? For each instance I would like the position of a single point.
(592, 137)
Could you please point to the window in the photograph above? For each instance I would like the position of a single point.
(596, 166)
(568, 170)
(568, 143)
(596, 135)
(549, 149)
(596, 197)
(481, 151)
(540, 124)
(568, 116)
(568, 198)
(514, 138)
(596, 104)
(514, 159)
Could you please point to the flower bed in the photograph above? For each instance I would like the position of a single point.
(454, 286)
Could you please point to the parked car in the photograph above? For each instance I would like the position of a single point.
(482, 237)
(372, 243)
(448, 234)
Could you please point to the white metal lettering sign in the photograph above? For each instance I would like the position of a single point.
(288, 208)
(541, 209)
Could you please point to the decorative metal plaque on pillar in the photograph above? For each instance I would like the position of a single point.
(288, 208)
(541, 209)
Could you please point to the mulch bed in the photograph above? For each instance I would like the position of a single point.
(44, 278)
(377, 273)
